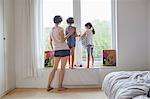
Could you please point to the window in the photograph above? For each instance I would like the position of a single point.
(98, 12)
(101, 13)
(50, 9)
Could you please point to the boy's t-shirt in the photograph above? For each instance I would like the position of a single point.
(72, 39)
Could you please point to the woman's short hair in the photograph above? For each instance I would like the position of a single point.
(58, 19)
(70, 20)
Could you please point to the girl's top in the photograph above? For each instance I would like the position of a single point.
(89, 35)
(57, 43)
(72, 39)
(87, 39)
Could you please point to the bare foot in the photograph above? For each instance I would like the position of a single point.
(81, 66)
(62, 88)
(75, 65)
(69, 67)
(72, 68)
(49, 88)
(92, 64)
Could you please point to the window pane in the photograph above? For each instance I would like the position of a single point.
(50, 9)
(98, 12)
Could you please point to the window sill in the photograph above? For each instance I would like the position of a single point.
(84, 67)
(97, 64)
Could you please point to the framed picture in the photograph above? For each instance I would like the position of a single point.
(109, 57)
(48, 58)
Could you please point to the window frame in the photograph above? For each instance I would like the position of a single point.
(77, 18)
(114, 23)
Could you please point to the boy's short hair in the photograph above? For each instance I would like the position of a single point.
(57, 19)
(70, 20)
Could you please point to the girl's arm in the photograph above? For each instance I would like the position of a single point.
(51, 43)
(84, 34)
(62, 37)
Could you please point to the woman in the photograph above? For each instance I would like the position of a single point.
(61, 52)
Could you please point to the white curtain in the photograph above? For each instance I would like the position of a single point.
(28, 29)
(78, 52)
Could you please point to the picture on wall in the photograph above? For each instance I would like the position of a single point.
(48, 59)
(109, 57)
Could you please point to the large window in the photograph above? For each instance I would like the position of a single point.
(50, 9)
(101, 13)
(98, 12)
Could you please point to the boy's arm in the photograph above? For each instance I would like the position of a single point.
(62, 37)
(76, 35)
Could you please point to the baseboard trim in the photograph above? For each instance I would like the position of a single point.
(82, 86)
(35, 84)
(6, 92)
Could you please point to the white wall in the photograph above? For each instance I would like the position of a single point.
(132, 34)
(2, 67)
(9, 82)
(148, 34)
(132, 44)
(9, 44)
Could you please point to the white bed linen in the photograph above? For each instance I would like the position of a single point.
(141, 97)
(126, 85)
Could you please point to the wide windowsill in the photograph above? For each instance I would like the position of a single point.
(97, 64)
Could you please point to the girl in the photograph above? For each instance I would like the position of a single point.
(61, 51)
(71, 41)
(88, 42)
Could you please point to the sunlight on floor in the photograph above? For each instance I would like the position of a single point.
(54, 94)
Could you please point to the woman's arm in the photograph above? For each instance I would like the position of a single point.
(51, 43)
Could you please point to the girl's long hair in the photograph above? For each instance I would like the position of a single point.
(89, 26)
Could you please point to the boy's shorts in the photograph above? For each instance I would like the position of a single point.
(71, 43)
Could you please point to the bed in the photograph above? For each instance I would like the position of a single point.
(127, 85)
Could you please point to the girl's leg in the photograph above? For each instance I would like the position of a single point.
(62, 72)
(52, 74)
(69, 61)
(92, 56)
(88, 59)
(72, 51)
(88, 62)
(92, 60)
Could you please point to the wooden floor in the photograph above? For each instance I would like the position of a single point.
(54, 94)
